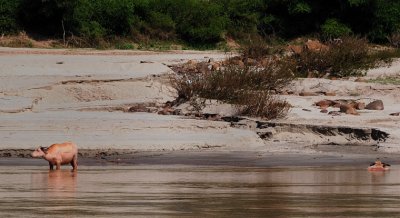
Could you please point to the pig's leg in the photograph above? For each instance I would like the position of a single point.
(58, 165)
(74, 163)
(51, 166)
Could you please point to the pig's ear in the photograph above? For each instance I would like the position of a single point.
(44, 149)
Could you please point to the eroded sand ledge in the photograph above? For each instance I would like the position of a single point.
(49, 96)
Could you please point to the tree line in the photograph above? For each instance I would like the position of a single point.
(201, 21)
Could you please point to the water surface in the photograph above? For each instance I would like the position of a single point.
(179, 191)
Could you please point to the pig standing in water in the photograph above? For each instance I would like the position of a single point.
(58, 154)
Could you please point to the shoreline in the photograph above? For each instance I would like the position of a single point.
(219, 158)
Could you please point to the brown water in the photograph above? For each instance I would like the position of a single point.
(176, 191)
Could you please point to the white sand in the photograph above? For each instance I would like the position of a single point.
(50, 96)
(44, 102)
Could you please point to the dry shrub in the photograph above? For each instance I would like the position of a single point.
(349, 57)
(20, 40)
(239, 85)
(225, 84)
(77, 42)
(263, 104)
(255, 48)
(185, 85)
(394, 40)
(74, 41)
(17, 43)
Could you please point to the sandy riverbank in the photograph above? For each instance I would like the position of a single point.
(50, 96)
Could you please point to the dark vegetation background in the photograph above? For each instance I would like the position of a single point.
(200, 21)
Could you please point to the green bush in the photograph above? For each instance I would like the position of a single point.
(158, 25)
(198, 21)
(386, 20)
(95, 18)
(243, 17)
(299, 7)
(125, 46)
(334, 29)
(8, 16)
(161, 21)
(92, 30)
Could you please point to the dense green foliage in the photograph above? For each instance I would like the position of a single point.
(201, 21)
(8, 16)
(334, 29)
(45, 17)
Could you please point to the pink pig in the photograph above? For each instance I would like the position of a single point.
(59, 154)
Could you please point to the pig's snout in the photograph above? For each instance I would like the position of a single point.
(35, 154)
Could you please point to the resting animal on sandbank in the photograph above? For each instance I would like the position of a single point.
(59, 154)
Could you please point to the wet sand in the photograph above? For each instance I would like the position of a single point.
(221, 158)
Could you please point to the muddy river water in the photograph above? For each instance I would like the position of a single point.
(193, 191)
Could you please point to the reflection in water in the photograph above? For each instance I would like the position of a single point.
(55, 183)
(62, 183)
(199, 191)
